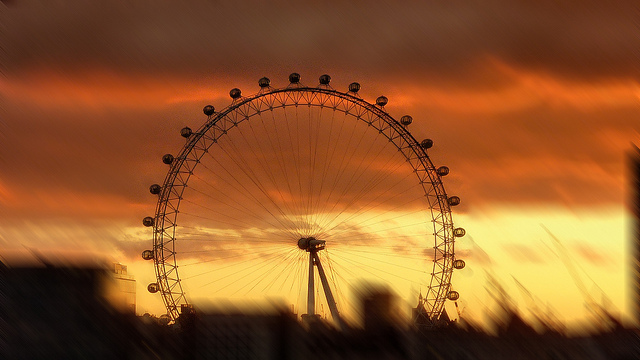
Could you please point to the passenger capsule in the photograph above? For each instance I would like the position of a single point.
(443, 171)
(153, 288)
(406, 120)
(459, 232)
(167, 159)
(354, 87)
(264, 82)
(209, 110)
(459, 264)
(325, 79)
(235, 93)
(155, 189)
(147, 254)
(186, 132)
(426, 143)
(147, 221)
(453, 295)
(294, 78)
(382, 101)
(453, 201)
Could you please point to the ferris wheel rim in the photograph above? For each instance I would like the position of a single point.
(166, 266)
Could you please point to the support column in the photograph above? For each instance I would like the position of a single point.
(311, 301)
(312, 246)
(333, 307)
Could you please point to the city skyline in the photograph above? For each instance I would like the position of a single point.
(532, 106)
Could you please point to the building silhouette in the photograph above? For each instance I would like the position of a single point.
(124, 289)
(60, 312)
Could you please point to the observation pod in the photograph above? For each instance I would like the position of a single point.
(167, 159)
(235, 93)
(354, 87)
(459, 232)
(453, 295)
(208, 110)
(155, 189)
(382, 101)
(453, 201)
(427, 144)
(148, 221)
(325, 79)
(406, 120)
(294, 78)
(264, 82)
(153, 288)
(443, 171)
(147, 254)
(459, 264)
(186, 132)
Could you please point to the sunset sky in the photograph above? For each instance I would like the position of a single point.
(533, 105)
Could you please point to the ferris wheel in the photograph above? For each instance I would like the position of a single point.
(299, 194)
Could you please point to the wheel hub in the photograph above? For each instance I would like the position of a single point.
(311, 244)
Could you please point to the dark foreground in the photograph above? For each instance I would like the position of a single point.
(59, 313)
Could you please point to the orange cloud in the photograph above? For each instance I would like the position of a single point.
(53, 202)
(103, 88)
(521, 89)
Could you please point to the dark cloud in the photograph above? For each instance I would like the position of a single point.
(583, 40)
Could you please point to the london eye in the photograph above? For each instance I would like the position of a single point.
(298, 194)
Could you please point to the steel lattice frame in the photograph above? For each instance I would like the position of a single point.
(267, 99)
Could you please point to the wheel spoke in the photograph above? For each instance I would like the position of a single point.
(297, 164)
